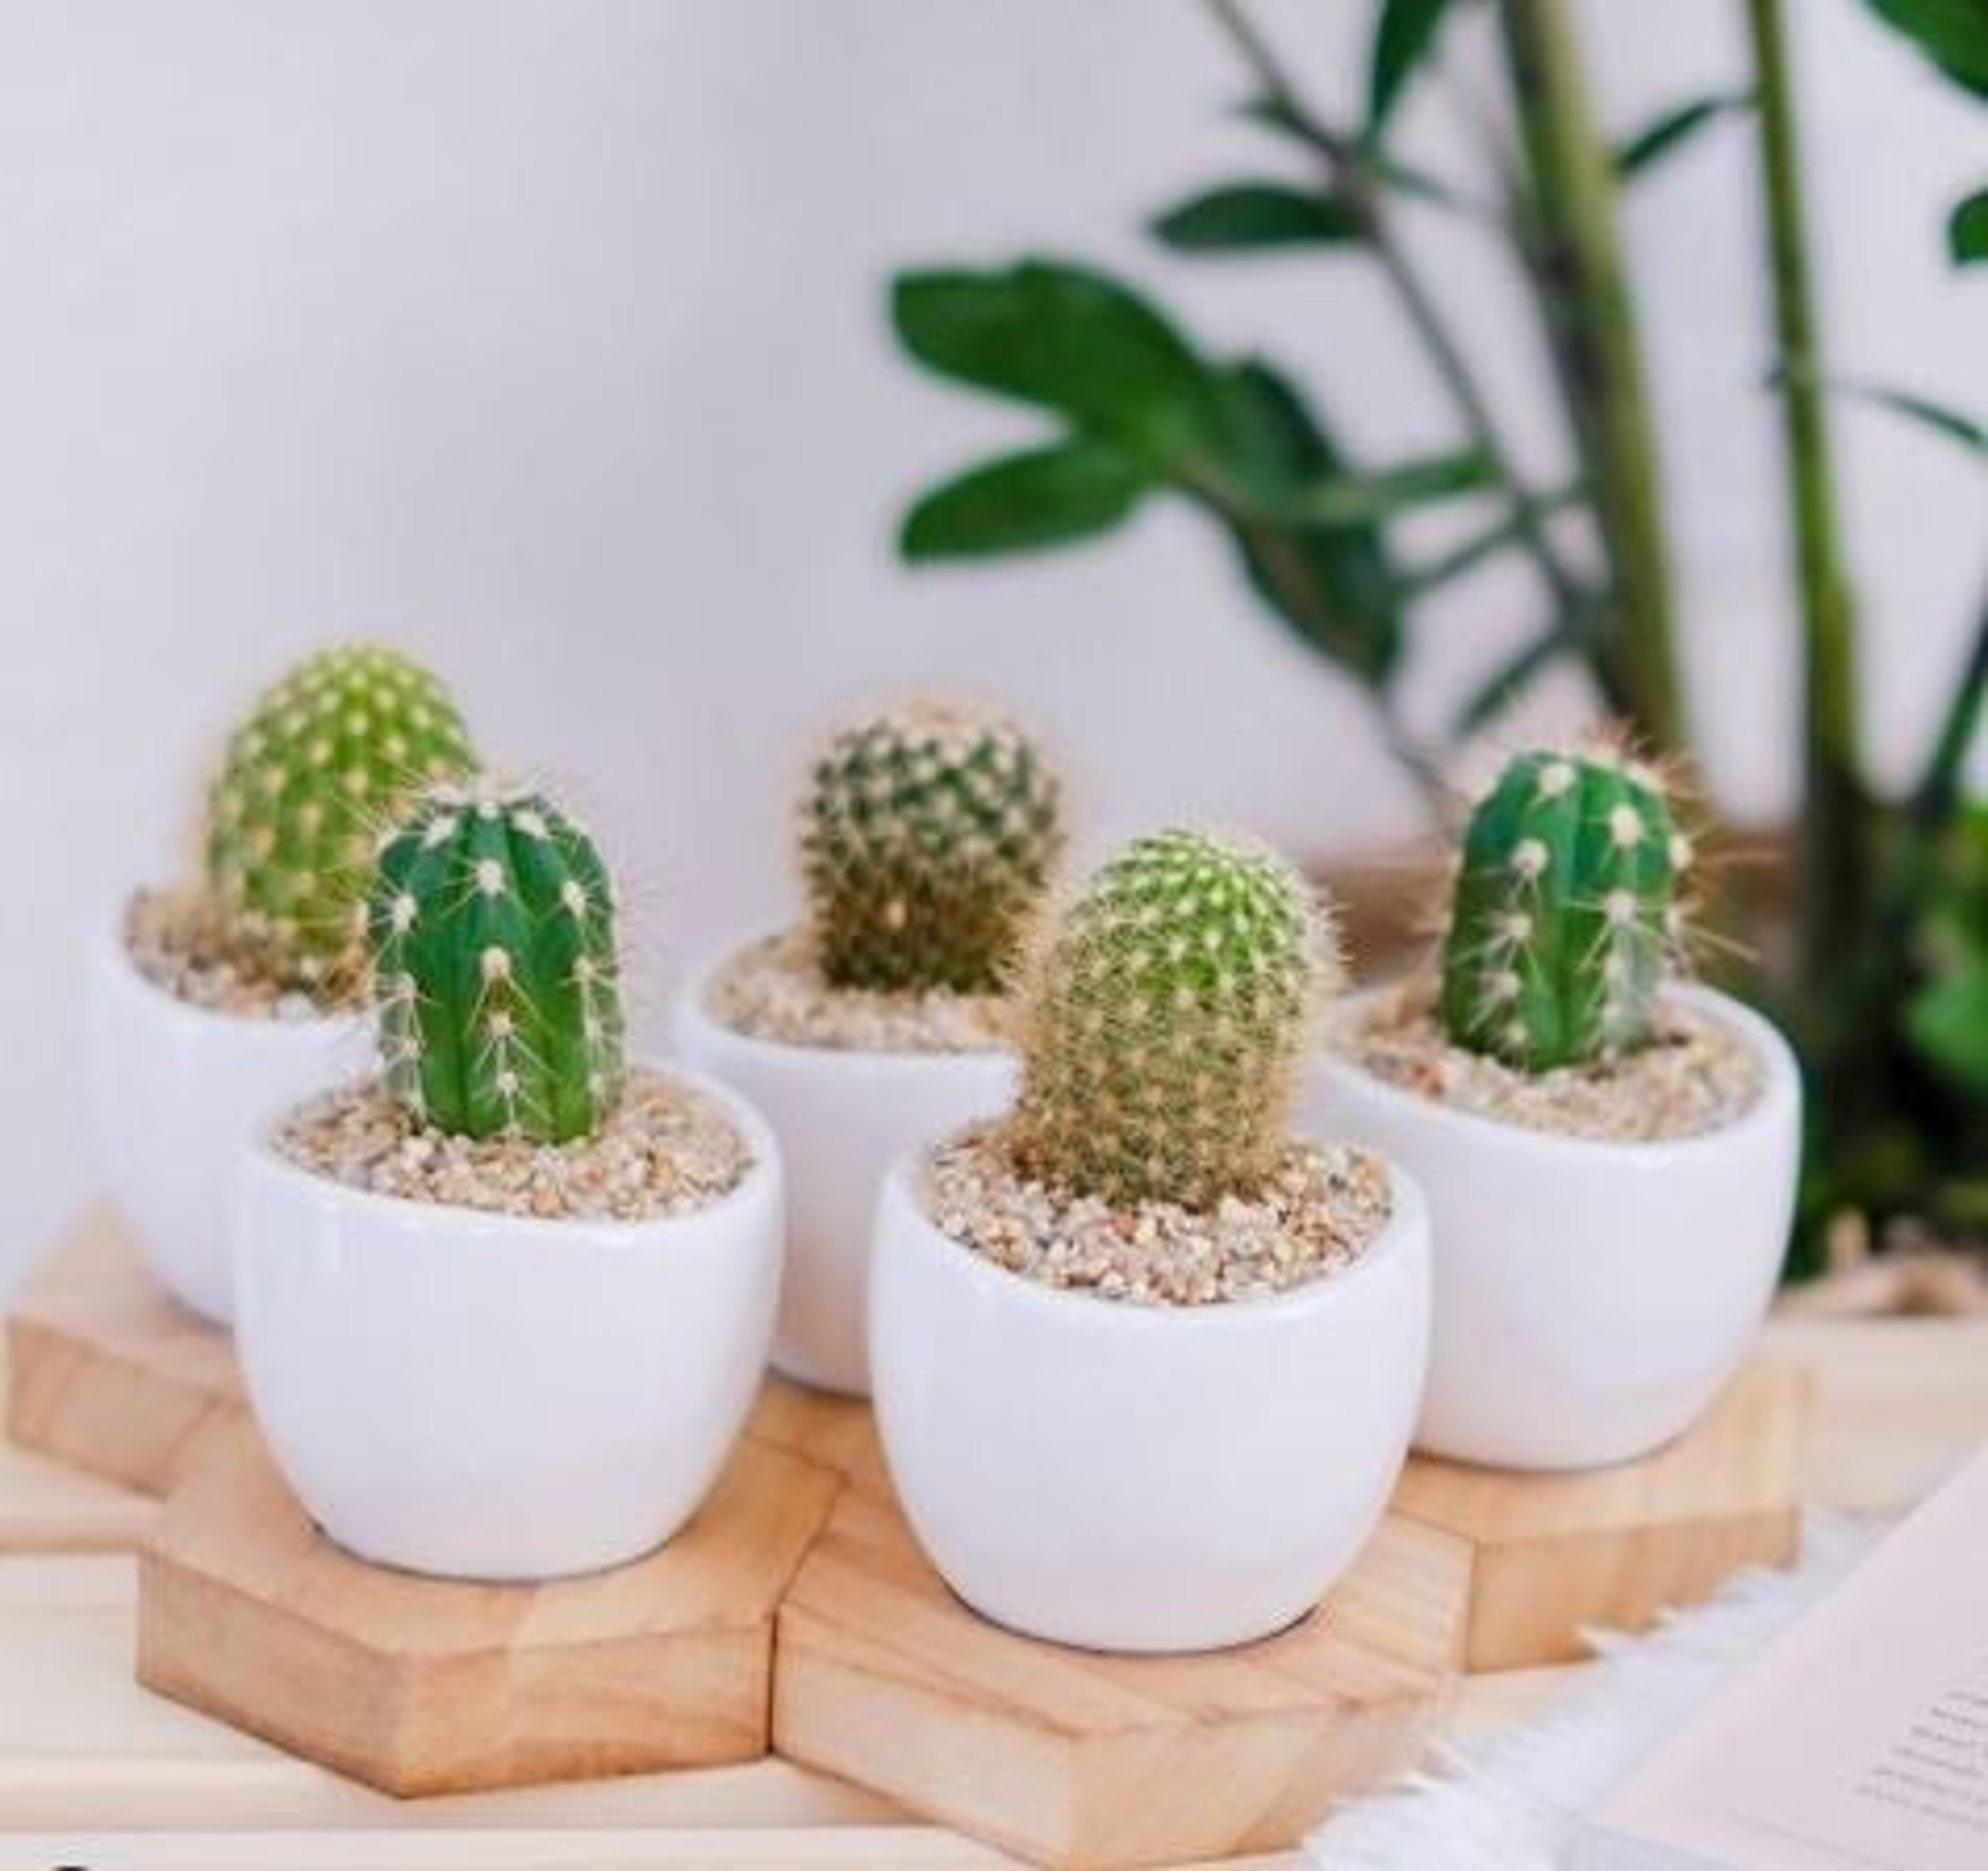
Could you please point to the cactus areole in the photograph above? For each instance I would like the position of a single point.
(492, 928)
(1166, 1023)
(1564, 919)
(928, 836)
(328, 756)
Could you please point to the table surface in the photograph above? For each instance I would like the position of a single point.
(95, 1772)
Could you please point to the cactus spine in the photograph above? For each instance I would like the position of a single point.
(329, 754)
(1166, 1022)
(1563, 916)
(928, 834)
(491, 927)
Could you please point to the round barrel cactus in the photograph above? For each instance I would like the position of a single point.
(491, 927)
(328, 756)
(1564, 913)
(1167, 1021)
(928, 834)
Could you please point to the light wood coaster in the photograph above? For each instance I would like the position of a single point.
(247, 1612)
(106, 1372)
(1537, 1560)
(1077, 1759)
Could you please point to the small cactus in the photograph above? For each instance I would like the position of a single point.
(329, 754)
(1564, 917)
(928, 834)
(492, 928)
(1166, 1023)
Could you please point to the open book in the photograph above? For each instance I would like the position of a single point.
(1858, 1742)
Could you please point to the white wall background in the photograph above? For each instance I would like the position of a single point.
(543, 337)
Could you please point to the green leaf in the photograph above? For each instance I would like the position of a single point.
(1665, 134)
(1402, 36)
(1509, 680)
(1246, 217)
(1953, 34)
(1967, 229)
(1471, 553)
(1336, 587)
(1065, 338)
(1940, 418)
(1050, 497)
(1357, 500)
(1947, 1024)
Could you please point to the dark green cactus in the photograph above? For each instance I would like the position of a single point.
(329, 754)
(491, 927)
(1166, 1023)
(1564, 916)
(928, 834)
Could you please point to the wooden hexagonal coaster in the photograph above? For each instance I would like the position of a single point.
(1077, 1759)
(1537, 1560)
(108, 1373)
(248, 1613)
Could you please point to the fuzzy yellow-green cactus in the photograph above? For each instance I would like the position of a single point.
(1166, 1023)
(928, 834)
(327, 756)
(1565, 915)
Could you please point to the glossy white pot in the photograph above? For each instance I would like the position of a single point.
(495, 1397)
(842, 1118)
(1591, 1297)
(1125, 1477)
(175, 1092)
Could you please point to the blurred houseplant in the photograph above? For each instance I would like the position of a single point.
(1885, 974)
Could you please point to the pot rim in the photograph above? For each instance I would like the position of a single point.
(114, 956)
(692, 1010)
(1408, 1219)
(581, 1233)
(1779, 1092)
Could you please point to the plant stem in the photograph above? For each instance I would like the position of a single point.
(1350, 175)
(1591, 329)
(1835, 857)
(1939, 789)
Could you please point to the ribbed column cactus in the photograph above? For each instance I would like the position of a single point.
(328, 756)
(492, 926)
(1565, 914)
(1166, 1022)
(928, 834)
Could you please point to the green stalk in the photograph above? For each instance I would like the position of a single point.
(1835, 857)
(1351, 174)
(1592, 334)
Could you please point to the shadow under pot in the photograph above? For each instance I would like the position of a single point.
(1591, 1296)
(485, 1396)
(176, 1091)
(843, 1117)
(1129, 1477)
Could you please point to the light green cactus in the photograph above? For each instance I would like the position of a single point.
(491, 927)
(1166, 1023)
(928, 838)
(329, 755)
(1565, 915)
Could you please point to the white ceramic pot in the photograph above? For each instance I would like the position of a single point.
(1126, 1477)
(493, 1396)
(842, 1118)
(1591, 1297)
(175, 1092)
